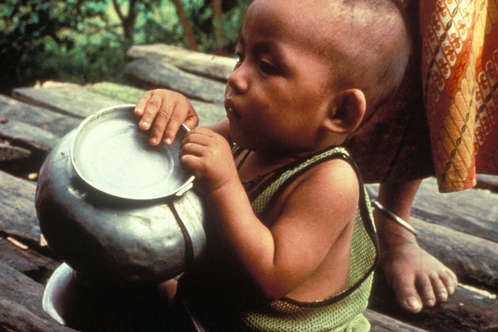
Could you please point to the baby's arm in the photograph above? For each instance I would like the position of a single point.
(163, 111)
(307, 226)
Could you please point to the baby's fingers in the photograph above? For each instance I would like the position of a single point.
(148, 107)
(179, 113)
(142, 102)
(195, 164)
(163, 124)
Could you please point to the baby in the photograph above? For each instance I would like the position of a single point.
(291, 242)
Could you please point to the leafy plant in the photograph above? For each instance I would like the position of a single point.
(86, 40)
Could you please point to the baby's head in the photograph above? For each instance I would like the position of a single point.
(311, 70)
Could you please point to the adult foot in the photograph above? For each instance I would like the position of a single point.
(417, 278)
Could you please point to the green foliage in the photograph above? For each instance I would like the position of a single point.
(158, 24)
(202, 17)
(29, 28)
(86, 40)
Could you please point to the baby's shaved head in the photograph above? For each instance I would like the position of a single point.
(366, 41)
(375, 48)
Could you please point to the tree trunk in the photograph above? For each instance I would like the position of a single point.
(188, 31)
(218, 26)
(127, 21)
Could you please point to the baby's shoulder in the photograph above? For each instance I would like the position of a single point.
(334, 173)
(335, 179)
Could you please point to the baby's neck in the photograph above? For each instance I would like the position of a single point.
(255, 165)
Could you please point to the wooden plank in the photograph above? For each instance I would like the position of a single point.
(30, 127)
(208, 113)
(55, 123)
(383, 323)
(67, 99)
(27, 261)
(125, 93)
(9, 152)
(15, 317)
(203, 64)
(17, 210)
(470, 211)
(465, 310)
(160, 74)
(28, 135)
(489, 182)
(20, 303)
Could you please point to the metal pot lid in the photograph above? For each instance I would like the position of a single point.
(112, 155)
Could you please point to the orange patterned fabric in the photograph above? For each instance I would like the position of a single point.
(444, 121)
(460, 79)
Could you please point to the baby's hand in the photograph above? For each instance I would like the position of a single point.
(208, 155)
(164, 111)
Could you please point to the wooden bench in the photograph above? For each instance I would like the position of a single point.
(457, 228)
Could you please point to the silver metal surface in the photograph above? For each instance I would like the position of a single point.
(111, 154)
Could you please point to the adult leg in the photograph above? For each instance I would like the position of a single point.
(416, 277)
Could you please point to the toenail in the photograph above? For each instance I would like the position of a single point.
(431, 302)
(413, 303)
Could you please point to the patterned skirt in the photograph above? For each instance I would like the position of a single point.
(444, 120)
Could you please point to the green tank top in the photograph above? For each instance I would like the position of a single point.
(342, 312)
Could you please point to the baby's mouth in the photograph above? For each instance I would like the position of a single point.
(230, 109)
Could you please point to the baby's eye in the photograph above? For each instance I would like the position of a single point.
(238, 57)
(268, 68)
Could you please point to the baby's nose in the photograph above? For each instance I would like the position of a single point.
(238, 81)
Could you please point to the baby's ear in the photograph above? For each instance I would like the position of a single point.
(347, 111)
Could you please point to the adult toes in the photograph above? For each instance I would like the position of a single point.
(426, 291)
(450, 280)
(439, 287)
(406, 294)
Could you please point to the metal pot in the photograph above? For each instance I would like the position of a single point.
(106, 237)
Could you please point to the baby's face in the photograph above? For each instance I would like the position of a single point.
(279, 90)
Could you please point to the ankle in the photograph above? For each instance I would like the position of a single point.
(392, 235)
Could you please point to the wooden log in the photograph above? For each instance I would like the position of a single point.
(55, 123)
(213, 66)
(469, 211)
(473, 259)
(28, 135)
(27, 261)
(489, 182)
(208, 113)
(20, 303)
(15, 317)
(465, 310)
(67, 99)
(12, 152)
(160, 74)
(127, 94)
(383, 323)
(17, 210)
(33, 128)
